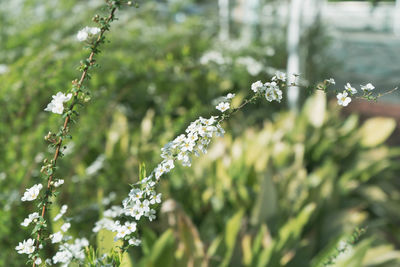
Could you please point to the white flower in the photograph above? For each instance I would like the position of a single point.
(330, 81)
(30, 218)
(343, 99)
(26, 246)
(223, 106)
(151, 214)
(87, 32)
(169, 165)
(57, 103)
(273, 92)
(3, 69)
(160, 170)
(155, 198)
(58, 182)
(94, 30)
(38, 261)
(32, 193)
(253, 66)
(65, 227)
(279, 76)
(367, 87)
(130, 226)
(188, 145)
(134, 242)
(143, 206)
(135, 194)
(350, 89)
(56, 238)
(122, 231)
(63, 256)
(212, 56)
(82, 35)
(104, 223)
(257, 86)
(230, 96)
(62, 212)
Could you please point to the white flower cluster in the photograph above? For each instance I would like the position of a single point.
(143, 197)
(253, 66)
(271, 89)
(32, 193)
(214, 56)
(68, 252)
(87, 33)
(57, 103)
(344, 99)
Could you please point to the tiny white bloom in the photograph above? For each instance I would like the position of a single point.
(188, 145)
(26, 246)
(82, 35)
(330, 81)
(230, 96)
(94, 30)
(367, 87)
(134, 242)
(257, 86)
(57, 103)
(58, 182)
(155, 198)
(130, 226)
(65, 227)
(135, 194)
(279, 76)
(62, 212)
(32, 193)
(223, 106)
(151, 214)
(350, 89)
(30, 218)
(38, 261)
(273, 93)
(122, 231)
(343, 99)
(87, 32)
(56, 238)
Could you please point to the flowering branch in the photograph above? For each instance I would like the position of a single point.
(143, 198)
(93, 37)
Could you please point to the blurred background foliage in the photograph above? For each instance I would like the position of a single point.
(280, 189)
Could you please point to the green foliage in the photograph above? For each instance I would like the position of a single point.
(280, 193)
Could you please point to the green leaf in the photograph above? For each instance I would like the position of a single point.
(231, 232)
(377, 130)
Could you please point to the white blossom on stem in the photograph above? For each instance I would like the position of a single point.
(343, 99)
(57, 103)
(30, 218)
(32, 193)
(367, 87)
(26, 246)
(223, 106)
(86, 33)
(350, 89)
